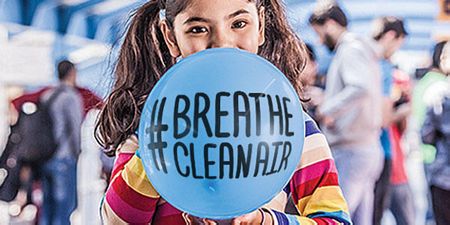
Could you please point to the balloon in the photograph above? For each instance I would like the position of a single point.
(221, 133)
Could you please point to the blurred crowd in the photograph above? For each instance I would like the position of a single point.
(366, 106)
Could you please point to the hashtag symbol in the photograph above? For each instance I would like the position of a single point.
(157, 145)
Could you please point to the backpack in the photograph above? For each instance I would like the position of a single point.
(35, 130)
(10, 167)
(31, 142)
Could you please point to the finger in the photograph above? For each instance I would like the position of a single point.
(186, 218)
(236, 221)
(193, 220)
(209, 222)
(197, 221)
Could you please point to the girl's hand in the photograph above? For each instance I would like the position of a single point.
(254, 218)
(258, 217)
(193, 220)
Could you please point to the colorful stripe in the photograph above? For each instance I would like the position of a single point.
(314, 156)
(167, 210)
(125, 211)
(311, 128)
(131, 197)
(283, 219)
(315, 141)
(109, 216)
(172, 219)
(305, 221)
(287, 189)
(135, 177)
(324, 199)
(309, 187)
(325, 221)
(340, 216)
(121, 160)
(315, 170)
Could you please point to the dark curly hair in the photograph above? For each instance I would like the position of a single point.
(144, 57)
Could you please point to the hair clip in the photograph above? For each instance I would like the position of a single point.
(162, 14)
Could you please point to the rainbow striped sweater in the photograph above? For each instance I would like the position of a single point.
(314, 188)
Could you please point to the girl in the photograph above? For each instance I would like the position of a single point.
(164, 30)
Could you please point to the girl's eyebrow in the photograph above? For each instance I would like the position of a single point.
(201, 19)
(241, 11)
(196, 19)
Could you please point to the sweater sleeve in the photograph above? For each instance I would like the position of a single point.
(130, 198)
(314, 186)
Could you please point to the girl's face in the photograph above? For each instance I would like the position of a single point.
(215, 24)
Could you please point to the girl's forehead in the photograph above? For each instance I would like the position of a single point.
(216, 9)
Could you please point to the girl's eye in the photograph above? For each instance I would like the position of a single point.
(198, 30)
(239, 24)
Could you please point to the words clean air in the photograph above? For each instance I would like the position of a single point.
(195, 116)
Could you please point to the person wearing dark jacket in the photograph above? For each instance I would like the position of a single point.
(436, 131)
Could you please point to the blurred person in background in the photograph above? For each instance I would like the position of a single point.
(400, 198)
(426, 92)
(429, 88)
(389, 32)
(436, 132)
(89, 101)
(309, 81)
(58, 175)
(350, 115)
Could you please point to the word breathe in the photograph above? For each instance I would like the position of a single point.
(234, 159)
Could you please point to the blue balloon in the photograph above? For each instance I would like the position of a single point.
(221, 133)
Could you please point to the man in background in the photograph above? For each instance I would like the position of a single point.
(389, 32)
(350, 115)
(59, 174)
(67, 74)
